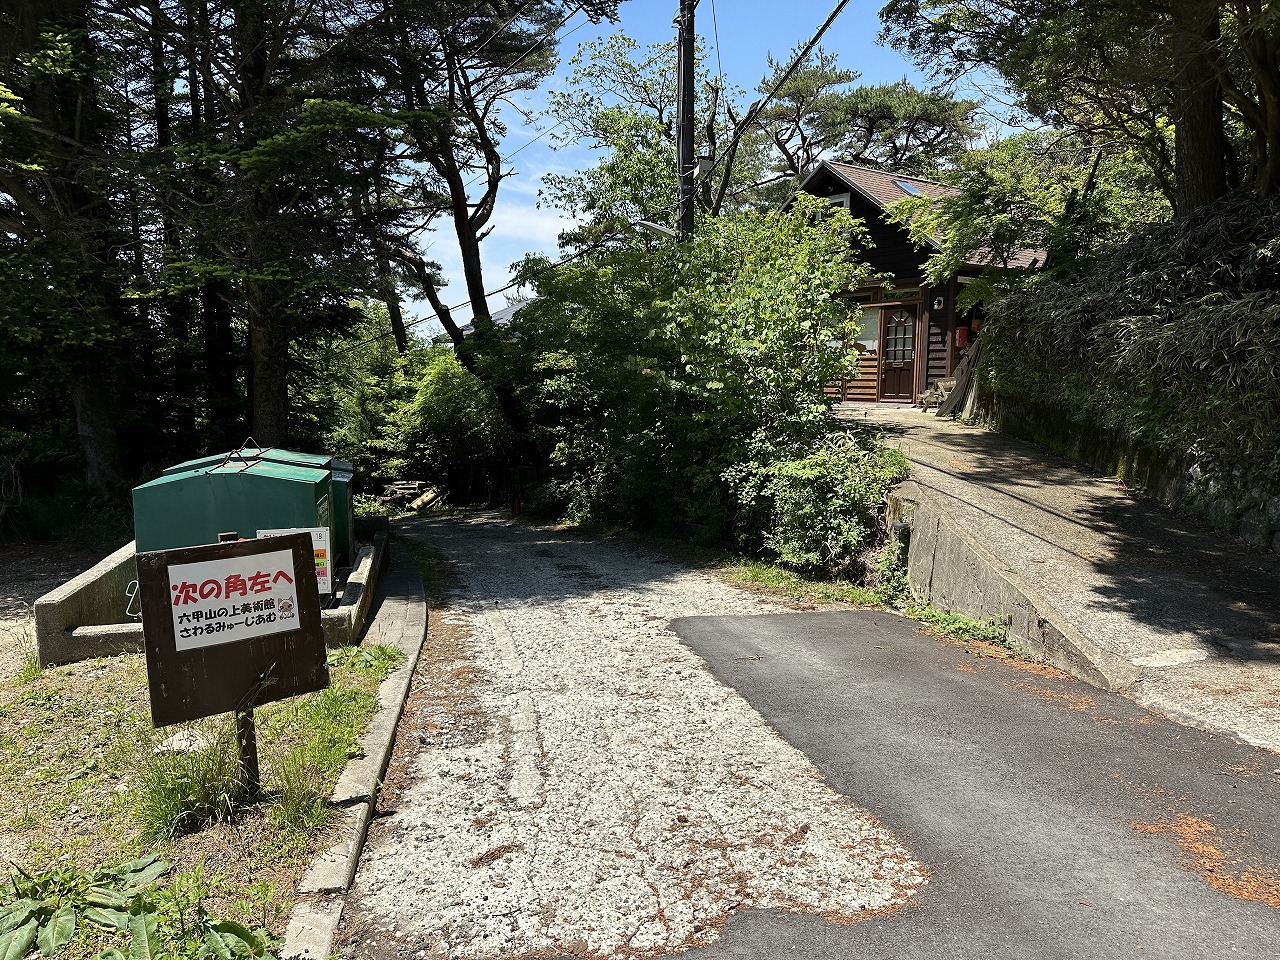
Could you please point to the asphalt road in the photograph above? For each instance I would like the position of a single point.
(1056, 820)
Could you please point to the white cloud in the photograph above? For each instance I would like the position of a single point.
(538, 228)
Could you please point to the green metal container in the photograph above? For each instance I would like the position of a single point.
(192, 507)
(344, 522)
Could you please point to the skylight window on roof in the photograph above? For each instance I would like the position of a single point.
(909, 188)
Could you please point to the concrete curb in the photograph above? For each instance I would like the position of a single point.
(949, 568)
(324, 886)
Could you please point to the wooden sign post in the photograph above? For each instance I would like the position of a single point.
(228, 627)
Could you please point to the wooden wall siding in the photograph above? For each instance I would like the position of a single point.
(938, 353)
(866, 387)
(893, 251)
(863, 388)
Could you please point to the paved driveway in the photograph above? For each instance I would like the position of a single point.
(1056, 820)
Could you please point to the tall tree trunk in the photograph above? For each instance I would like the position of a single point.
(104, 470)
(227, 425)
(391, 297)
(269, 357)
(1199, 131)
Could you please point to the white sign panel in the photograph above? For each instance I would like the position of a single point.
(319, 546)
(222, 601)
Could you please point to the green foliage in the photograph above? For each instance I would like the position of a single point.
(123, 908)
(819, 113)
(1170, 339)
(768, 576)
(1118, 70)
(304, 744)
(1060, 196)
(47, 906)
(959, 627)
(451, 426)
(680, 387)
(183, 789)
(821, 511)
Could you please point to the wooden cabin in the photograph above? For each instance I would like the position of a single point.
(912, 334)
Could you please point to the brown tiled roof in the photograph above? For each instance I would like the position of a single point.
(886, 188)
(883, 188)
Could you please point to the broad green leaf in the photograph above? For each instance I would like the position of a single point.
(148, 875)
(238, 937)
(105, 897)
(107, 918)
(135, 866)
(111, 953)
(57, 932)
(15, 914)
(145, 944)
(15, 944)
(215, 946)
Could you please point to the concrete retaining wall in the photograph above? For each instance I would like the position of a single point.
(342, 624)
(66, 617)
(948, 568)
(1248, 512)
(85, 617)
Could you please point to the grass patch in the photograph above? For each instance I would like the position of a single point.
(890, 592)
(85, 788)
(779, 581)
(962, 628)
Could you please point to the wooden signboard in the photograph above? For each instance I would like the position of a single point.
(230, 626)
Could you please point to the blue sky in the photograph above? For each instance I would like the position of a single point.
(748, 30)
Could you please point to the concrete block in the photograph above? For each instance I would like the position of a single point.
(344, 623)
(92, 599)
(949, 569)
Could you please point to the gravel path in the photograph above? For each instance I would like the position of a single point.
(582, 786)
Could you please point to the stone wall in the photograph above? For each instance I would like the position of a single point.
(1179, 482)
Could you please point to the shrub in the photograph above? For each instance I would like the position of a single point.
(1171, 339)
(819, 512)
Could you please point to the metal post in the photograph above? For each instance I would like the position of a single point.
(247, 740)
(686, 38)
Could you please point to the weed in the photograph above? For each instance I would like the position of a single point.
(772, 578)
(367, 505)
(959, 627)
(46, 907)
(889, 589)
(374, 658)
(18, 635)
(30, 669)
(184, 789)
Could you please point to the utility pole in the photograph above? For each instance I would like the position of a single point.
(686, 168)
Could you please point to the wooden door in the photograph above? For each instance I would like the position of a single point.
(898, 352)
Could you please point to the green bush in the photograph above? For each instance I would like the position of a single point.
(451, 431)
(1171, 340)
(654, 375)
(819, 513)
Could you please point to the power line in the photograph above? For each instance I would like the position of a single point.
(754, 110)
(563, 261)
(715, 29)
